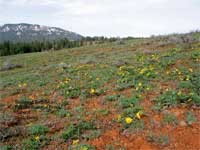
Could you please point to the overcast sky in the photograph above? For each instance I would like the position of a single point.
(106, 17)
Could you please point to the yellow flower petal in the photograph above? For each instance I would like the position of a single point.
(139, 114)
(128, 120)
(92, 91)
(75, 142)
(140, 84)
(37, 138)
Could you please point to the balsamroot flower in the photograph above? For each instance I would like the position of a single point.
(128, 120)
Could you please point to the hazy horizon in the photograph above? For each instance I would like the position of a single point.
(110, 18)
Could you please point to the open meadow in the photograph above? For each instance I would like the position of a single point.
(136, 94)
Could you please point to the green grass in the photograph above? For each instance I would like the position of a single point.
(74, 131)
(170, 119)
(34, 143)
(162, 140)
(37, 129)
(190, 118)
(23, 103)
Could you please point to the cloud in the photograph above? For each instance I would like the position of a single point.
(106, 17)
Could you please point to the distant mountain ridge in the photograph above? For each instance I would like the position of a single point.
(24, 32)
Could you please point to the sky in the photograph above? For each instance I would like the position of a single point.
(137, 18)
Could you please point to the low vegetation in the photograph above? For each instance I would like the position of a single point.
(134, 94)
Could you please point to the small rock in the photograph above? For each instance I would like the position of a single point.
(194, 107)
(177, 113)
(164, 112)
(147, 51)
(62, 65)
(183, 123)
(120, 63)
(126, 133)
(7, 65)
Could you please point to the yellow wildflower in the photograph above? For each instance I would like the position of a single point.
(190, 69)
(179, 93)
(92, 91)
(37, 138)
(22, 85)
(75, 142)
(67, 79)
(181, 78)
(128, 120)
(131, 105)
(139, 114)
(142, 70)
(140, 84)
(151, 68)
(187, 78)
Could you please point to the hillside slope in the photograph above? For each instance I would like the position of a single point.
(139, 95)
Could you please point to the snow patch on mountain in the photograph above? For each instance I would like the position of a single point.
(32, 32)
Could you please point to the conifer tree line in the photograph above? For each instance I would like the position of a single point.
(12, 48)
